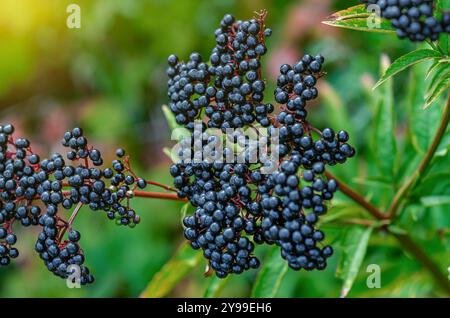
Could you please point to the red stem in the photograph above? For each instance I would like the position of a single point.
(159, 195)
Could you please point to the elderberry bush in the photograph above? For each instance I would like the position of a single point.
(36, 192)
(413, 19)
(237, 203)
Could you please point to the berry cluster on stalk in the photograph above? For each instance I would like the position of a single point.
(237, 204)
(35, 192)
(413, 19)
(230, 89)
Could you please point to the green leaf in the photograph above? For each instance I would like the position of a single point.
(384, 129)
(270, 276)
(352, 12)
(441, 86)
(406, 61)
(178, 131)
(432, 68)
(435, 200)
(170, 117)
(360, 24)
(162, 283)
(357, 18)
(184, 210)
(354, 246)
(422, 122)
(442, 70)
(215, 286)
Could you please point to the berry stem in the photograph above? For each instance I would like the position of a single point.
(424, 164)
(159, 195)
(352, 194)
(157, 184)
(74, 214)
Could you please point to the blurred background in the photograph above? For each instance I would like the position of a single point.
(109, 78)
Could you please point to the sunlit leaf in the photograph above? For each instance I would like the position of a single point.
(358, 18)
(406, 61)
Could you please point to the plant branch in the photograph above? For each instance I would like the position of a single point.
(157, 184)
(411, 247)
(359, 199)
(418, 174)
(159, 195)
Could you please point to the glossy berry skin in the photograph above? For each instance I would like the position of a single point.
(237, 206)
(413, 19)
(33, 191)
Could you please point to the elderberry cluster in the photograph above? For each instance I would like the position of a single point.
(413, 19)
(231, 88)
(62, 258)
(237, 203)
(29, 186)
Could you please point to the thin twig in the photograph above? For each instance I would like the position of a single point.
(159, 195)
(74, 214)
(352, 194)
(157, 184)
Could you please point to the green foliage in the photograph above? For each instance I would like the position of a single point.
(215, 286)
(270, 276)
(406, 61)
(109, 76)
(354, 246)
(356, 18)
(384, 128)
(184, 260)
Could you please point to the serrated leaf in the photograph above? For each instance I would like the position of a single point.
(182, 262)
(441, 86)
(435, 200)
(422, 123)
(215, 286)
(270, 276)
(354, 247)
(384, 127)
(406, 61)
(358, 18)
